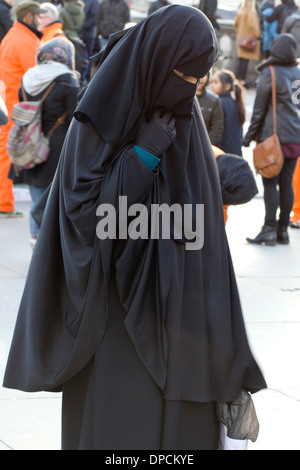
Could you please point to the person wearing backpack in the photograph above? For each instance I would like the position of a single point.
(17, 54)
(72, 15)
(55, 63)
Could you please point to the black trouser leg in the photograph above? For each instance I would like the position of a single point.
(282, 197)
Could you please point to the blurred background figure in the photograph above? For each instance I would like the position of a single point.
(88, 32)
(291, 25)
(247, 23)
(281, 12)
(295, 218)
(224, 85)
(72, 16)
(6, 21)
(211, 109)
(17, 54)
(55, 63)
(112, 17)
(157, 5)
(209, 7)
(50, 25)
(269, 30)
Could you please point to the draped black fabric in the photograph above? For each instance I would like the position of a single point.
(182, 308)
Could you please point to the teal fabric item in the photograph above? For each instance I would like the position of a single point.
(148, 159)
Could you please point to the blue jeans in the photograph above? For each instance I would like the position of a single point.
(36, 196)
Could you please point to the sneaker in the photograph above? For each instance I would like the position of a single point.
(32, 241)
(11, 214)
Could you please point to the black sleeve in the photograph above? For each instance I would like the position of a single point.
(261, 104)
(275, 15)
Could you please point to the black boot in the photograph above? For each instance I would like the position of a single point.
(282, 235)
(267, 236)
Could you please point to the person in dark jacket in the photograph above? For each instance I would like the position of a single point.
(89, 30)
(6, 21)
(157, 5)
(111, 18)
(209, 8)
(55, 63)
(211, 109)
(291, 25)
(283, 57)
(224, 85)
(281, 12)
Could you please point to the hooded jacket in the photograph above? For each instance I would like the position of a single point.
(282, 56)
(72, 15)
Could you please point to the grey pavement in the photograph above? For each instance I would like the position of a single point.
(269, 284)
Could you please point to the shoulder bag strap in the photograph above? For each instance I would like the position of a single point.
(43, 97)
(273, 75)
(59, 121)
(47, 92)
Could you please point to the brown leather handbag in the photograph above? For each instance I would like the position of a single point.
(268, 157)
(246, 43)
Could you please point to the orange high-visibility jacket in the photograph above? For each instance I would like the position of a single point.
(17, 54)
(18, 51)
(53, 30)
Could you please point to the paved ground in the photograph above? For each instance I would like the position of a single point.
(269, 283)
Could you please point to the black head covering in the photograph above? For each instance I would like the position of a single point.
(134, 69)
(283, 51)
(181, 306)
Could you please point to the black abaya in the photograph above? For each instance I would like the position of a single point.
(119, 406)
(110, 321)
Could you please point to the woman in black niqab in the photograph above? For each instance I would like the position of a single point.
(143, 335)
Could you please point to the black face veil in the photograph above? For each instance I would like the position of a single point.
(181, 306)
(134, 69)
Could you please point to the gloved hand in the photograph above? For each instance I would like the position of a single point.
(156, 135)
(245, 142)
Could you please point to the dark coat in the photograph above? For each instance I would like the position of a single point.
(6, 21)
(231, 140)
(112, 17)
(212, 113)
(63, 97)
(281, 12)
(287, 98)
(156, 5)
(91, 8)
(209, 8)
(291, 25)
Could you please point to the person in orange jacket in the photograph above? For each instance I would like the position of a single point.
(17, 54)
(295, 219)
(50, 25)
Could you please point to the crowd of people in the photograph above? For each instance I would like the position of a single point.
(131, 315)
(88, 25)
